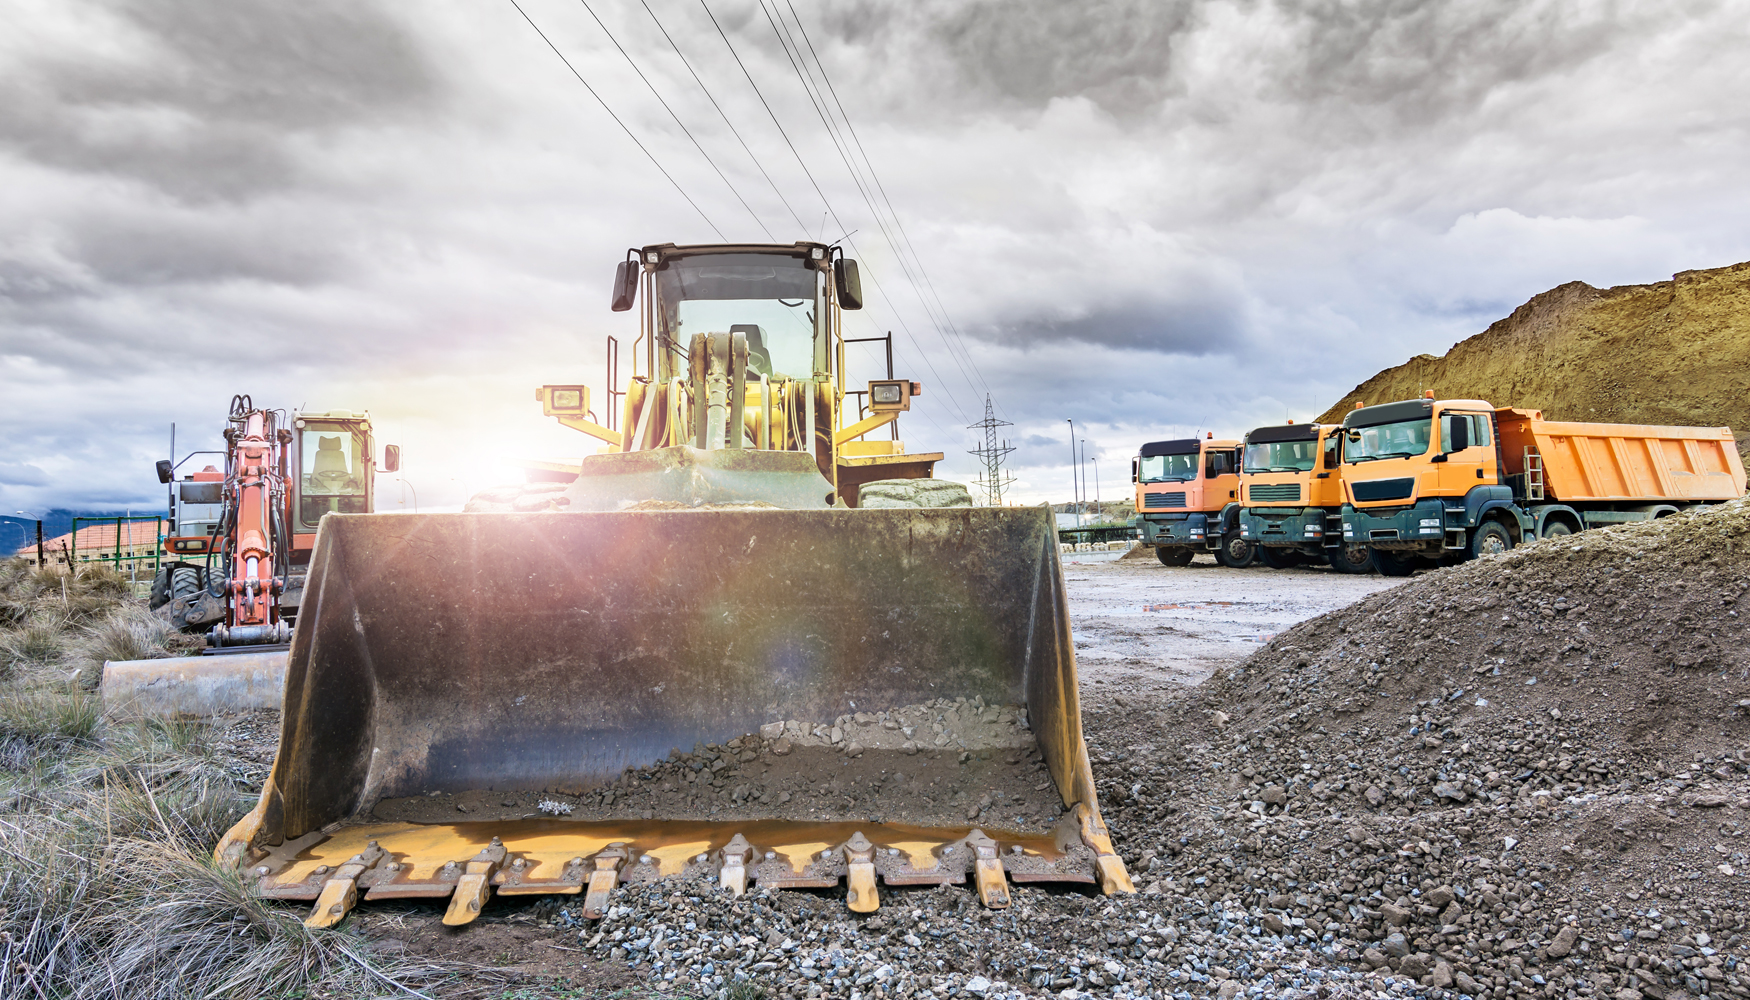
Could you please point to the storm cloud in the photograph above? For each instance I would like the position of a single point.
(1151, 217)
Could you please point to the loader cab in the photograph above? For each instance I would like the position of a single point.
(741, 348)
(333, 471)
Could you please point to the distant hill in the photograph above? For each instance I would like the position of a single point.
(1672, 352)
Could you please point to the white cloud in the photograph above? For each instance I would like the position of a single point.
(1153, 217)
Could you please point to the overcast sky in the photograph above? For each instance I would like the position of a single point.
(1153, 217)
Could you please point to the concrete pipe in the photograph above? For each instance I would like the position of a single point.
(195, 686)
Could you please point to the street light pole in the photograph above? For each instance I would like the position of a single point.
(39, 535)
(1074, 493)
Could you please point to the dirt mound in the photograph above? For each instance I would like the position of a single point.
(1686, 343)
(1528, 775)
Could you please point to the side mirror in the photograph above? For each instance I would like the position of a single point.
(391, 458)
(1134, 473)
(166, 471)
(1457, 434)
(625, 285)
(849, 286)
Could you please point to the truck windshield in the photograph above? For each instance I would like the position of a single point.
(332, 475)
(1403, 439)
(772, 298)
(1168, 468)
(1281, 456)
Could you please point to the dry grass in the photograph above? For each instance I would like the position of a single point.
(108, 888)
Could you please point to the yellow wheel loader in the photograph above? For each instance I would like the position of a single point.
(703, 663)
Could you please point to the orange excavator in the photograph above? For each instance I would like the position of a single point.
(252, 530)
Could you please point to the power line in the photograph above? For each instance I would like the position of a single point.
(798, 64)
(725, 116)
(882, 189)
(824, 199)
(629, 134)
(677, 120)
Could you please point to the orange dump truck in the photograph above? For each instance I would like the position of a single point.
(1429, 480)
(1187, 500)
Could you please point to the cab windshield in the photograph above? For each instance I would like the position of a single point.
(1403, 439)
(1282, 456)
(331, 471)
(772, 298)
(1168, 468)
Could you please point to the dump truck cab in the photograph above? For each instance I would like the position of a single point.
(1291, 495)
(1420, 478)
(1187, 499)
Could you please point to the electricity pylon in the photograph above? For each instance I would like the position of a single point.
(993, 480)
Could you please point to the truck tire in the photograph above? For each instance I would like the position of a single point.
(1391, 564)
(1351, 559)
(1174, 555)
(1278, 558)
(1490, 538)
(160, 589)
(1556, 529)
(1235, 552)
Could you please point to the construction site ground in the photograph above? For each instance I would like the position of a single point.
(1525, 776)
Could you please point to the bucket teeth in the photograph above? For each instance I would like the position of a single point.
(860, 894)
(734, 857)
(987, 870)
(1108, 866)
(340, 893)
(603, 879)
(474, 885)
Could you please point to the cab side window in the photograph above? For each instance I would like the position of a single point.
(1218, 463)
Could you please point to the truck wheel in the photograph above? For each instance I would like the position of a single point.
(1235, 552)
(1278, 558)
(1174, 556)
(1351, 559)
(1490, 539)
(1556, 529)
(160, 589)
(1391, 564)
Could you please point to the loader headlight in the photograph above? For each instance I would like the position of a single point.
(889, 395)
(567, 400)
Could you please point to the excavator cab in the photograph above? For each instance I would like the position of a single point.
(702, 664)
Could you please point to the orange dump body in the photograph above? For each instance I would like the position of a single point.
(1620, 462)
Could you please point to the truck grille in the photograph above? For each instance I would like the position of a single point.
(1273, 492)
(1155, 501)
(1384, 489)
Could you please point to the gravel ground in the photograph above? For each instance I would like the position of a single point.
(1522, 777)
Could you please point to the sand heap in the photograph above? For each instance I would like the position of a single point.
(1672, 352)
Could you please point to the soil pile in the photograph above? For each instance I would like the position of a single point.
(1527, 775)
(1672, 352)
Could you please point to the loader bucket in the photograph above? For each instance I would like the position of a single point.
(562, 702)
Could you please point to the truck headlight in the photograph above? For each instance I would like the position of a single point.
(1430, 522)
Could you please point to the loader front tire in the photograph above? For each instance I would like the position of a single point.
(1173, 555)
